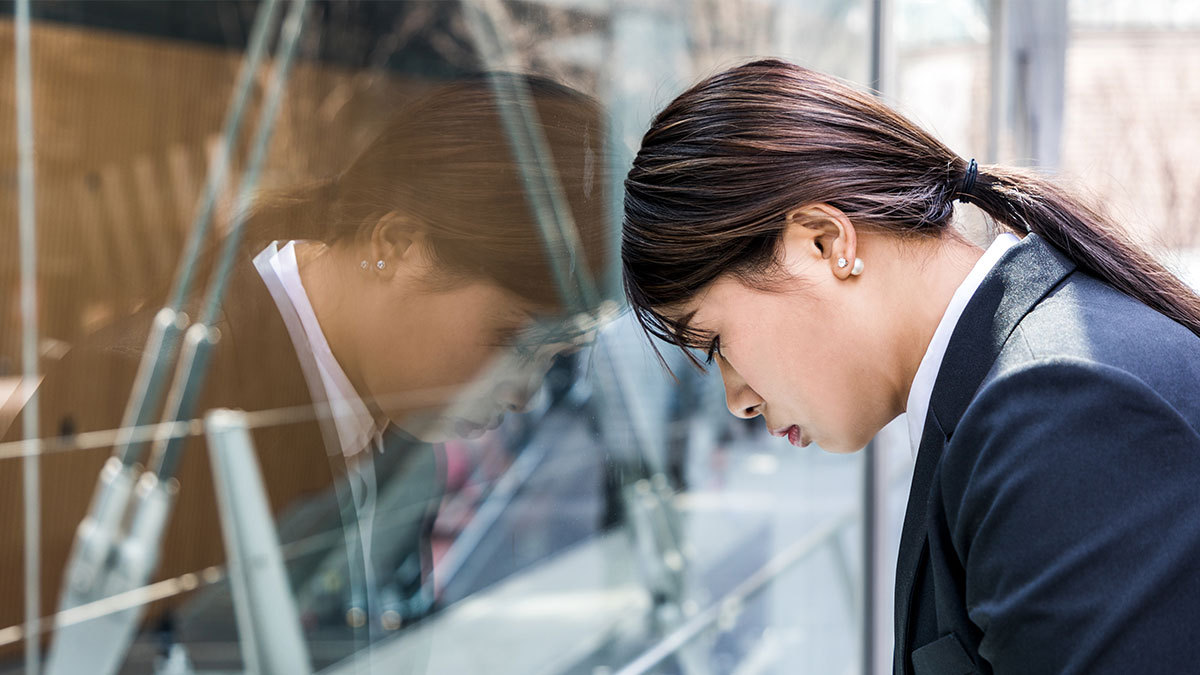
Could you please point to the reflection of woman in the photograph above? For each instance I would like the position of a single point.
(412, 293)
(799, 231)
(422, 259)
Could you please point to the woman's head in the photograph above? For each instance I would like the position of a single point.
(752, 185)
(445, 165)
(725, 162)
(440, 251)
(448, 165)
(746, 192)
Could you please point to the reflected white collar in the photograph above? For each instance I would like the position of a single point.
(355, 425)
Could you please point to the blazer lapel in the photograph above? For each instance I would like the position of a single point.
(1022, 277)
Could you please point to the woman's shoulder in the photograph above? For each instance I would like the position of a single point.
(1086, 324)
(1061, 456)
(1054, 414)
(1088, 364)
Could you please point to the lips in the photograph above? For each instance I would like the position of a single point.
(794, 434)
(470, 429)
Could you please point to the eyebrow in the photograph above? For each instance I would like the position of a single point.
(688, 335)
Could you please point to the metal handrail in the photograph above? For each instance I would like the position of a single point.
(735, 598)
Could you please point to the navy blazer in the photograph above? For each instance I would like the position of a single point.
(1054, 520)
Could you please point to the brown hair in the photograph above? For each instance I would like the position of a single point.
(726, 160)
(445, 161)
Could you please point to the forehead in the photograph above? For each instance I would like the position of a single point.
(726, 306)
(722, 293)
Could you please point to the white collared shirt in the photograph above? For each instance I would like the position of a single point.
(922, 387)
(356, 427)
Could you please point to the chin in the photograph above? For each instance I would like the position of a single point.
(427, 435)
(426, 428)
(434, 436)
(439, 429)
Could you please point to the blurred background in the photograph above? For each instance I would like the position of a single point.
(625, 523)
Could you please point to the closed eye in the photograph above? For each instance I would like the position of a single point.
(714, 349)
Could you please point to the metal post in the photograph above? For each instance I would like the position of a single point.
(998, 74)
(1029, 74)
(268, 623)
(29, 334)
(876, 585)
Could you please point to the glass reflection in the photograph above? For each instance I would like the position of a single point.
(408, 300)
(425, 527)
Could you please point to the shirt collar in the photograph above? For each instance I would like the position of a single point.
(356, 427)
(922, 387)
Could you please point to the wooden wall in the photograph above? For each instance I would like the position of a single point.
(125, 129)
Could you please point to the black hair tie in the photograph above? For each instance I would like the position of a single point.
(965, 189)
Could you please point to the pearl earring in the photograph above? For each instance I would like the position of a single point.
(380, 265)
(858, 267)
(363, 264)
(841, 262)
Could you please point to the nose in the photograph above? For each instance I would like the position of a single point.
(521, 406)
(741, 400)
(518, 399)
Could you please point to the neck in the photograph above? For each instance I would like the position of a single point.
(323, 271)
(925, 281)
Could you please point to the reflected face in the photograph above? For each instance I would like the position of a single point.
(796, 356)
(452, 362)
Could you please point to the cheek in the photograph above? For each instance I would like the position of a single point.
(804, 364)
(783, 354)
(834, 381)
(452, 362)
(810, 362)
(442, 352)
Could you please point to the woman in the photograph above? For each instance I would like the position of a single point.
(435, 217)
(409, 299)
(800, 232)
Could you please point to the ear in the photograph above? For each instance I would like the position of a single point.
(400, 244)
(822, 232)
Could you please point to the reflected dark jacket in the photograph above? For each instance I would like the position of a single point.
(1054, 520)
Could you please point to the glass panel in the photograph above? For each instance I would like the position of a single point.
(392, 228)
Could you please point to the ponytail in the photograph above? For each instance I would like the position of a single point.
(726, 159)
(1024, 202)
